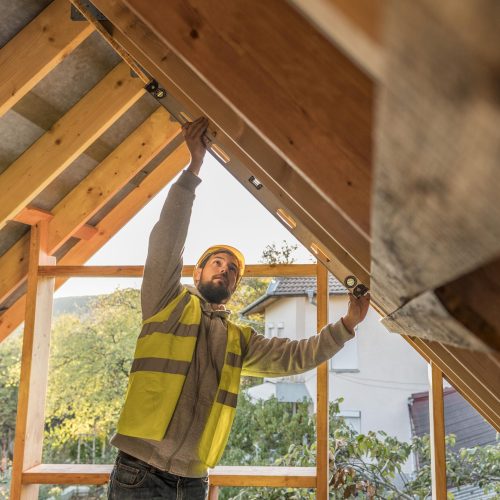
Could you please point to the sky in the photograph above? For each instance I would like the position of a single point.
(223, 212)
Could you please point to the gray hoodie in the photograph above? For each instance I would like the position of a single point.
(177, 453)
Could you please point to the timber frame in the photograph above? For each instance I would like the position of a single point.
(303, 116)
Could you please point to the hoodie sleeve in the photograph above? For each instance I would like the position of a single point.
(277, 357)
(162, 272)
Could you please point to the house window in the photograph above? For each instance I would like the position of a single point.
(281, 329)
(346, 359)
(270, 330)
(352, 419)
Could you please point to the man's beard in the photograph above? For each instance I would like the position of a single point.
(214, 293)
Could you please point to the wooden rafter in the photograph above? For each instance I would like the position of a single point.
(276, 82)
(36, 50)
(349, 249)
(169, 69)
(92, 193)
(107, 227)
(24, 179)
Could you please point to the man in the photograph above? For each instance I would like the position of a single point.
(184, 380)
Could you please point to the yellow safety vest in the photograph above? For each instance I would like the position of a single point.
(162, 357)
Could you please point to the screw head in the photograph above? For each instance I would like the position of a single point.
(350, 281)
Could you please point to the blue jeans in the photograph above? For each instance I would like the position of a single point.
(133, 479)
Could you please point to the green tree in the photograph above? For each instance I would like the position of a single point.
(370, 465)
(90, 361)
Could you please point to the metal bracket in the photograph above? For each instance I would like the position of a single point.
(76, 16)
(360, 290)
(155, 90)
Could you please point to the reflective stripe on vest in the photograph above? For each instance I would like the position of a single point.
(162, 358)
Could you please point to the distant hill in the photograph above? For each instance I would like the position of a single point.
(72, 305)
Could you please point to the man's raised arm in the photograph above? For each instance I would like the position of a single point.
(162, 272)
(278, 357)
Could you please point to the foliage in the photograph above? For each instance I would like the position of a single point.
(365, 466)
(272, 254)
(90, 361)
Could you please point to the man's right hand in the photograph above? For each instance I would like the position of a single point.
(197, 142)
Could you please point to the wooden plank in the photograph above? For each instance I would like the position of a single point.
(34, 366)
(107, 227)
(31, 215)
(243, 51)
(426, 317)
(470, 298)
(251, 270)
(41, 46)
(436, 205)
(322, 417)
(282, 184)
(294, 477)
(213, 492)
(24, 179)
(92, 193)
(437, 433)
(354, 26)
(85, 232)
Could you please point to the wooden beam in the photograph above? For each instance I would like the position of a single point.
(242, 51)
(32, 215)
(424, 316)
(436, 208)
(354, 26)
(34, 366)
(437, 433)
(41, 46)
(85, 232)
(40, 164)
(469, 300)
(236, 135)
(322, 400)
(92, 193)
(292, 477)
(107, 227)
(251, 271)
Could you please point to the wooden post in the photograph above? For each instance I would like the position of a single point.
(438, 446)
(213, 492)
(322, 465)
(34, 366)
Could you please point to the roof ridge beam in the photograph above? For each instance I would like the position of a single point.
(52, 153)
(41, 46)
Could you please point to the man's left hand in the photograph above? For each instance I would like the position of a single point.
(356, 311)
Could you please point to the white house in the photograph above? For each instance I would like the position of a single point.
(375, 373)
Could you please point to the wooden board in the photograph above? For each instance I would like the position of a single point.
(243, 51)
(436, 207)
(293, 477)
(322, 398)
(437, 433)
(471, 300)
(251, 271)
(34, 366)
(426, 317)
(41, 45)
(283, 186)
(40, 164)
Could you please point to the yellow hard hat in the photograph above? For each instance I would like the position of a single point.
(224, 248)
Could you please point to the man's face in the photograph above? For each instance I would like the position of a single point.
(217, 280)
